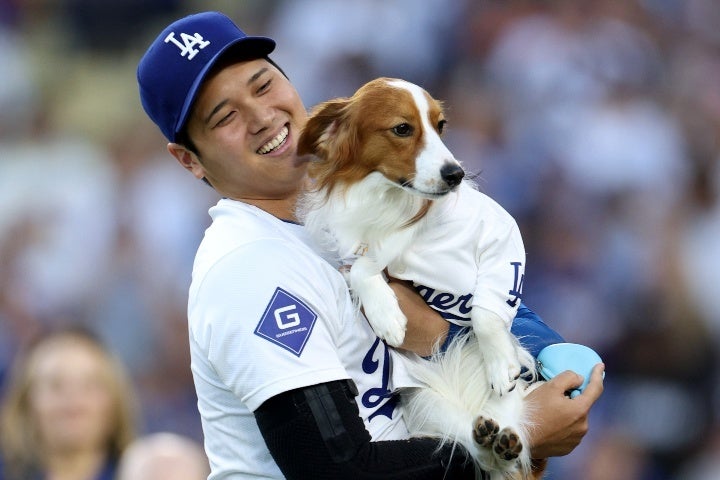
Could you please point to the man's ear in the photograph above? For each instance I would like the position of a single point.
(186, 158)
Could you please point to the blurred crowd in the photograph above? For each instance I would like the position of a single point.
(596, 123)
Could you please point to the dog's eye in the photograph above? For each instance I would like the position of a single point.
(403, 130)
(441, 125)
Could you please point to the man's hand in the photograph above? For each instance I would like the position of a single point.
(560, 423)
(426, 328)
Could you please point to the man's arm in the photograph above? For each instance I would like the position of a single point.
(428, 331)
(560, 424)
(316, 433)
(532, 332)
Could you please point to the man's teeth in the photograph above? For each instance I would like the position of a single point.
(275, 142)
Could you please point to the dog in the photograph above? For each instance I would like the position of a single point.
(387, 195)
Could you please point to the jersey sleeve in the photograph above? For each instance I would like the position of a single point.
(501, 268)
(267, 319)
(532, 332)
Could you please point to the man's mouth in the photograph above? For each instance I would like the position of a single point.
(275, 142)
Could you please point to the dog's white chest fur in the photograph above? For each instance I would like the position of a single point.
(366, 213)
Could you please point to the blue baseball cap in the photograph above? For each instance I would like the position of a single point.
(173, 68)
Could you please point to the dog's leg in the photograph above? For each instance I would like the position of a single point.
(378, 300)
(501, 430)
(500, 357)
(457, 405)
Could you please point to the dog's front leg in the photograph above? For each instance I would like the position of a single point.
(497, 346)
(378, 300)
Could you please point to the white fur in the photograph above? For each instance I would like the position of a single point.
(343, 222)
(457, 396)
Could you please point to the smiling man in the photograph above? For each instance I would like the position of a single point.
(291, 380)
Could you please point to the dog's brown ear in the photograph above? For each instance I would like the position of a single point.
(321, 125)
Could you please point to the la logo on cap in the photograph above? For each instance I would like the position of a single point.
(189, 42)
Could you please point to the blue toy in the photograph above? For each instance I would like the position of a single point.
(559, 357)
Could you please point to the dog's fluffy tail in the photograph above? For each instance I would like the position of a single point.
(456, 395)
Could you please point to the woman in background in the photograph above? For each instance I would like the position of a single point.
(68, 412)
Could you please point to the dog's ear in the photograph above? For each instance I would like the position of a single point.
(330, 136)
(320, 127)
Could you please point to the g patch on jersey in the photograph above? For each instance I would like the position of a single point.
(286, 322)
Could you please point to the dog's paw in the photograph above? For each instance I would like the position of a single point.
(504, 445)
(389, 323)
(393, 334)
(507, 445)
(485, 431)
(502, 374)
(380, 306)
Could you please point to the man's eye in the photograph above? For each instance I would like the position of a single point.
(403, 130)
(441, 125)
(264, 86)
(224, 120)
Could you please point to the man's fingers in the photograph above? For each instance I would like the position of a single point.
(595, 386)
(567, 380)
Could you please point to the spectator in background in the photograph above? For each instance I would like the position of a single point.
(68, 412)
(161, 456)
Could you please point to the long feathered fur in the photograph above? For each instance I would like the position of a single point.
(456, 396)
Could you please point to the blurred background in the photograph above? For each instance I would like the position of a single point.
(596, 123)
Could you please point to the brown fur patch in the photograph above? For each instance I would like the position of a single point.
(352, 137)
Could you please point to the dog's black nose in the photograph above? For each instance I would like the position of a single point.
(452, 174)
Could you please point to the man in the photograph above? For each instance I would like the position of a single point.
(291, 380)
(163, 455)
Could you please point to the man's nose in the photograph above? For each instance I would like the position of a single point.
(260, 117)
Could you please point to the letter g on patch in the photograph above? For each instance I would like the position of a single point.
(287, 322)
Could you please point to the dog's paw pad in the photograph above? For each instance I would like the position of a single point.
(485, 431)
(507, 445)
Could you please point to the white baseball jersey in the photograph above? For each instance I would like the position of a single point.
(266, 315)
(471, 254)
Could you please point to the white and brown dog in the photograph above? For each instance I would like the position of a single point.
(389, 193)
